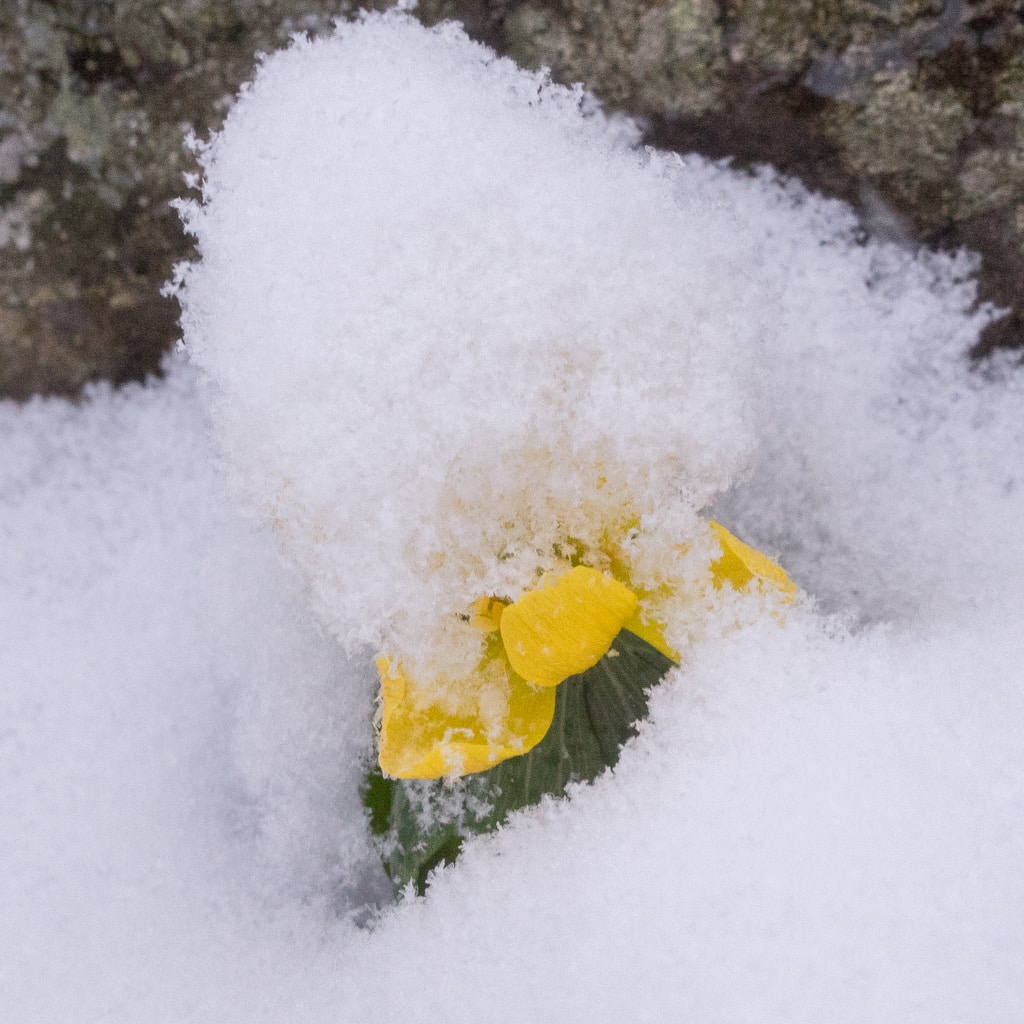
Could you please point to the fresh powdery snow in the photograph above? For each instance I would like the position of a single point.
(441, 304)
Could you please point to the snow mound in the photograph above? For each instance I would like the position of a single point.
(481, 325)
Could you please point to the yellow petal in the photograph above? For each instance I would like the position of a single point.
(740, 563)
(640, 623)
(423, 741)
(651, 631)
(486, 613)
(565, 627)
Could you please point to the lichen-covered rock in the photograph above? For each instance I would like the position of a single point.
(782, 39)
(991, 178)
(94, 103)
(664, 58)
(902, 129)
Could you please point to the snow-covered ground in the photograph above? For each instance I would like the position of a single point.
(823, 819)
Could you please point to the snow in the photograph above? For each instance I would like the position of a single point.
(822, 818)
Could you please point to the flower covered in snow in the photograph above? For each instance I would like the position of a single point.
(471, 355)
(505, 705)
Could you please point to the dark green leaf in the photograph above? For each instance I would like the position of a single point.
(422, 824)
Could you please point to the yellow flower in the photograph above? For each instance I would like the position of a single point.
(504, 708)
(740, 564)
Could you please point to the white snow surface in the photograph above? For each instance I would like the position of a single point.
(823, 818)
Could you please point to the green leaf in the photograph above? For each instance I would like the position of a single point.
(422, 823)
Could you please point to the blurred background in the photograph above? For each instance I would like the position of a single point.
(911, 110)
